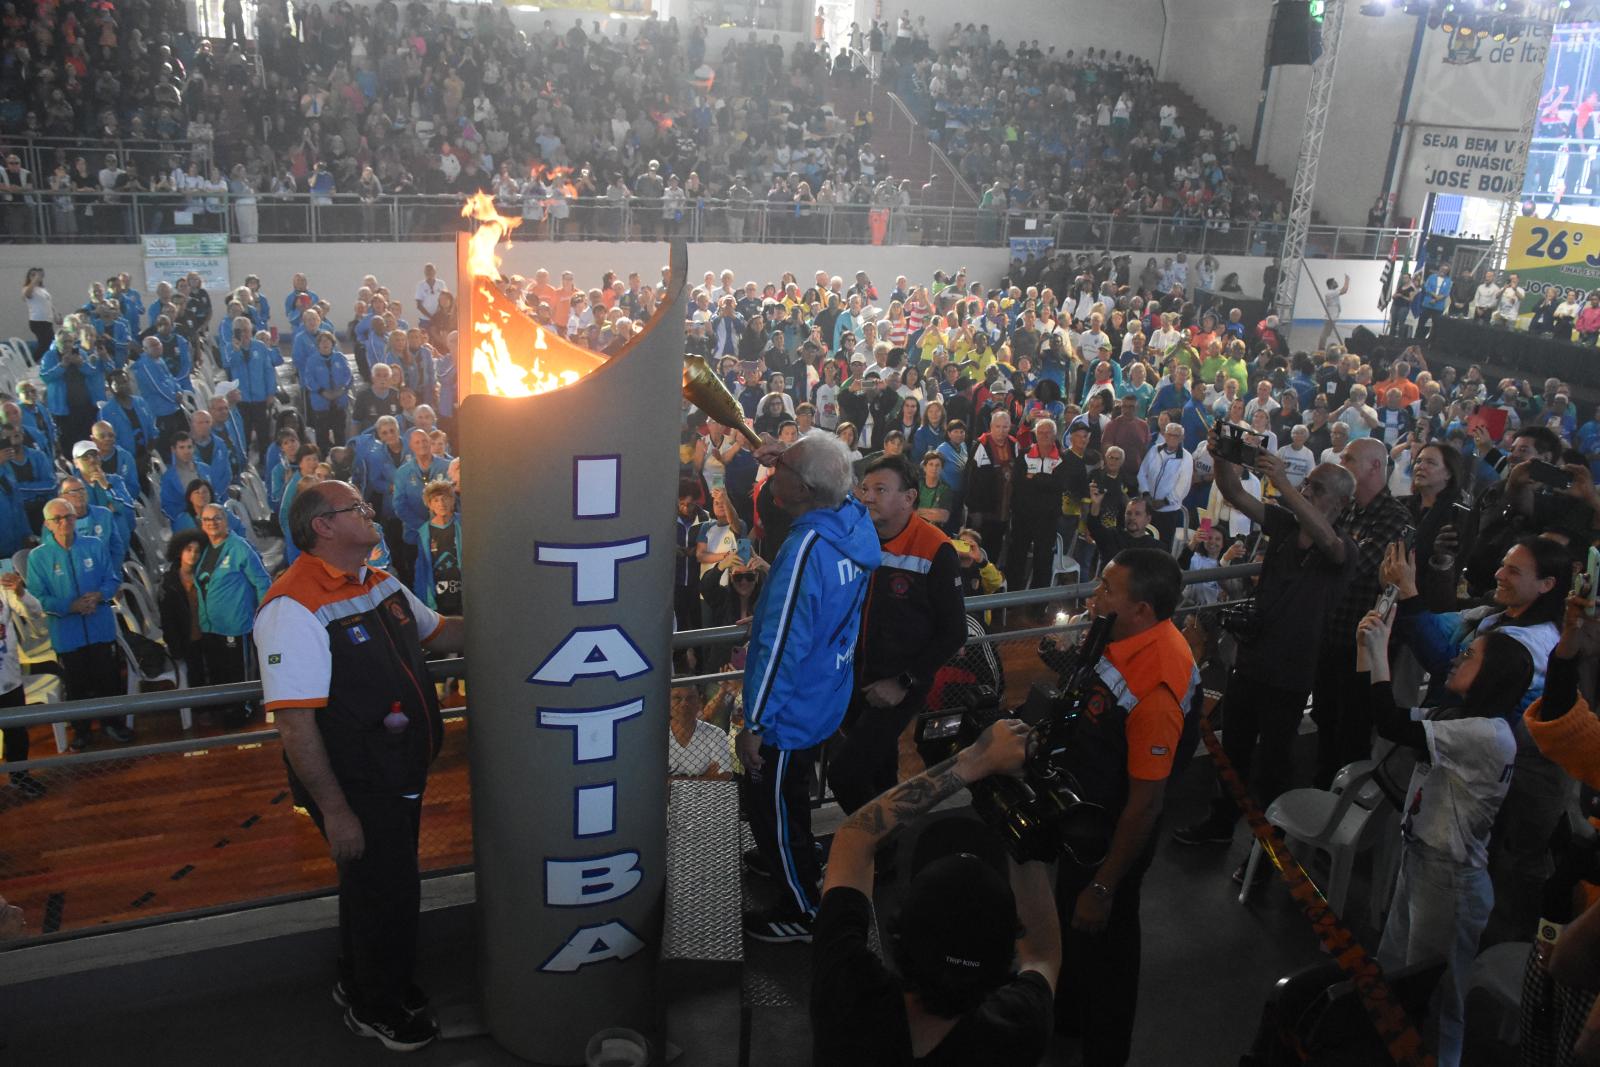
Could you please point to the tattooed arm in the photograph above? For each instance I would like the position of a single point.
(1000, 749)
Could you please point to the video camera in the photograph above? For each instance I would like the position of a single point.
(1232, 446)
(1041, 815)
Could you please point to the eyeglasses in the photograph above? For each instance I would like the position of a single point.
(363, 507)
(58, 518)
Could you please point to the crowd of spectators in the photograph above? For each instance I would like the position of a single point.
(1055, 420)
(1045, 131)
(566, 124)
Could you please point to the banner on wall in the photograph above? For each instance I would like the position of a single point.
(1547, 254)
(169, 257)
(1023, 247)
(1466, 110)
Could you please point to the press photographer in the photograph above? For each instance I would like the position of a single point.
(976, 959)
(1121, 752)
(1305, 571)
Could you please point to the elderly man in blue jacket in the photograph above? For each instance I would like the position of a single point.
(29, 469)
(230, 581)
(800, 669)
(95, 521)
(160, 391)
(73, 578)
(252, 364)
(408, 507)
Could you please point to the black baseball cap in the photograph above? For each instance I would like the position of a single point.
(957, 927)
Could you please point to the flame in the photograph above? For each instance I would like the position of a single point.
(547, 361)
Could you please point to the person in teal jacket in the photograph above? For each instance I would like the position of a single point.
(438, 577)
(230, 581)
(74, 580)
(304, 472)
(95, 521)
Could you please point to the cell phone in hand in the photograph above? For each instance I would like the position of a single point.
(1549, 474)
(1386, 601)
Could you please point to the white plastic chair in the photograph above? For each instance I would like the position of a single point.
(25, 349)
(1063, 565)
(136, 674)
(48, 689)
(1335, 823)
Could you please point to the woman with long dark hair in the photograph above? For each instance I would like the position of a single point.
(179, 603)
(1445, 532)
(1464, 753)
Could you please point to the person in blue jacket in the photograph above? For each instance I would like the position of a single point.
(160, 391)
(130, 300)
(108, 490)
(445, 368)
(74, 376)
(92, 520)
(113, 458)
(261, 308)
(305, 340)
(114, 329)
(800, 671)
(298, 299)
(36, 420)
(438, 577)
(73, 578)
(230, 582)
(303, 472)
(211, 449)
(175, 353)
(14, 529)
(183, 467)
(30, 470)
(407, 507)
(252, 363)
(131, 419)
(280, 464)
(378, 456)
(327, 380)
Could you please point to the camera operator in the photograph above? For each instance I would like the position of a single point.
(1121, 753)
(970, 988)
(914, 619)
(1306, 570)
(1536, 496)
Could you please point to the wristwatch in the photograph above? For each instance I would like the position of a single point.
(1101, 890)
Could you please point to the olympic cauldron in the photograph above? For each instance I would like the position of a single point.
(569, 479)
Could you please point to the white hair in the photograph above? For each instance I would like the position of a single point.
(824, 463)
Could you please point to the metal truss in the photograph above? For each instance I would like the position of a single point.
(1292, 256)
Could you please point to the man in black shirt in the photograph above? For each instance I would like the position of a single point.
(969, 988)
(1306, 569)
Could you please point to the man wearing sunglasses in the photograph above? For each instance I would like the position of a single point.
(340, 646)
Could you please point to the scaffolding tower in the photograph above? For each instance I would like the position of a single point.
(1292, 256)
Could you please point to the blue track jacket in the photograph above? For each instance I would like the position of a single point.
(801, 667)
(58, 576)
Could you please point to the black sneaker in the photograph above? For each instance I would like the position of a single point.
(1205, 832)
(777, 927)
(117, 732)
(28, 785)
(754, 863)
(399, 1032)
(415, 1001)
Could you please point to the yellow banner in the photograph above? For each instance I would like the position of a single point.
(1537, 243)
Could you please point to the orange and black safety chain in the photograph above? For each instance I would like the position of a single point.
(1388, 1016)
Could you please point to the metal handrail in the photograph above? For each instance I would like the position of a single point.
(238, 692)
(424, 217)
